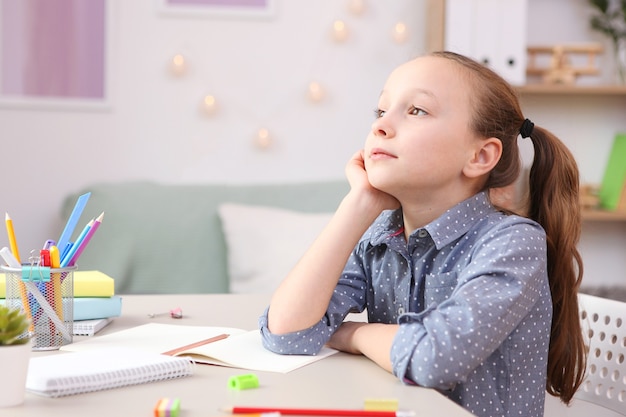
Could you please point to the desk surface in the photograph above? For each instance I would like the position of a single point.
(340, 381)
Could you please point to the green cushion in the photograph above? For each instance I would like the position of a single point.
(158, 238)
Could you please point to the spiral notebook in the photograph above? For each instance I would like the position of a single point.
(65, 374)
(90, 327)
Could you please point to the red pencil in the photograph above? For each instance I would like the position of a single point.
(318, 412)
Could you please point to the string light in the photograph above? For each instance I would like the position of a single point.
(340, 31)
(209, 104)
(400, 32)
(178, 65)
(356, 7)
(316, 92)
(263, 139)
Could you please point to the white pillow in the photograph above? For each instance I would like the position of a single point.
(264, 243)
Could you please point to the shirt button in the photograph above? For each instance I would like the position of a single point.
(422, 233)
(400, 311)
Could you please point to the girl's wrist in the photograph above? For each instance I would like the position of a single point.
(363, 206)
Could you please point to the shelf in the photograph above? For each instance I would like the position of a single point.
(598, 90)
(604, 216)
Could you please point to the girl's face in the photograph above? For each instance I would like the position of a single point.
(421, 141)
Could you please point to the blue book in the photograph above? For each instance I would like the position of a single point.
(89, 308)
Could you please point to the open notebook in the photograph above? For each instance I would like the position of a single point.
(99, 369)
(224, 346)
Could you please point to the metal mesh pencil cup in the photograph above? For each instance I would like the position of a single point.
(46, 295)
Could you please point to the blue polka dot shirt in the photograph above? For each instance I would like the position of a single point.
(470, 292)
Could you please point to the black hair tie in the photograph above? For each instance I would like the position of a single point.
(527, 128)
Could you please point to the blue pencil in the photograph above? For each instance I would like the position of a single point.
(79, 240)
(72, 221)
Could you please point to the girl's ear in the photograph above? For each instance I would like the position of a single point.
(486, 156)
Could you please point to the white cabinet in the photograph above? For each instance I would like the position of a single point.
(490, 31)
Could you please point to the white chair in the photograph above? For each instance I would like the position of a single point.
(604, 325)
(604, 322)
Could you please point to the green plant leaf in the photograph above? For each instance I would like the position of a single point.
(602, 5)
(13, 326)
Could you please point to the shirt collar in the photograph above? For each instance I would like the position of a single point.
(458, 220)
(462, 217)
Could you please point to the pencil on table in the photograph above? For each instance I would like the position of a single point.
(14, 250)
(317, 412)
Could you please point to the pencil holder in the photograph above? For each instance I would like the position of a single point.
(46, 295)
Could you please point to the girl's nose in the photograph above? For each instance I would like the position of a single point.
(382, 128)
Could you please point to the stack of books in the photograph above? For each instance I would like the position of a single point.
(95, 302)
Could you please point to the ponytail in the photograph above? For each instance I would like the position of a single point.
(554, 203)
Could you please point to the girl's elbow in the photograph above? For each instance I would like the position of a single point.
(431, 377)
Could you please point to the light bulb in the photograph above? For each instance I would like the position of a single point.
(316, 92)
(263, 139)
(178, 65)
(340, 31)
(209, 104)
(400, 32)
(356, 7)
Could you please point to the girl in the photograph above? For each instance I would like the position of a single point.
(461, 296)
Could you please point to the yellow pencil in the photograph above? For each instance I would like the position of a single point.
(11, 233)
(55, 262)
(16, 254)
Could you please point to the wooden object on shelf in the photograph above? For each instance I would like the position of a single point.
(589, 199)
(593, 212)
(561, 70)
(591, 208)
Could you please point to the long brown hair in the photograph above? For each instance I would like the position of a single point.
(553, 202)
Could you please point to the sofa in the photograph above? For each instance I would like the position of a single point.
(209, 238)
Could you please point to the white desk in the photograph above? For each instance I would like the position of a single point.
(340, 381)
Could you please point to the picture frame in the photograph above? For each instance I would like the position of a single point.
(55, 55)
(218, 8)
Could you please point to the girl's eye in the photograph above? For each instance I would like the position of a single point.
(379, 113)
(417, 112)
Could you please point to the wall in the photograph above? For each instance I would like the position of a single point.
(259, 70)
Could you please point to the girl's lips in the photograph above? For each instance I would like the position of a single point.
(378, 153)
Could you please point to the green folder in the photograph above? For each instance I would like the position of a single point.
(615, 175)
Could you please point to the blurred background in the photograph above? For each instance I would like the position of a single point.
(266, 91)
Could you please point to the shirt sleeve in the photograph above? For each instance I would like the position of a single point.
(497, 289)
(349, 297)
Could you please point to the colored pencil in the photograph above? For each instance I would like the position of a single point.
(85, 241)
(72, 221)
(318, 412)
(23, 291)
(55, 262)
(65, 259)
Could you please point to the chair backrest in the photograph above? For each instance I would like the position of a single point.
(604, 324)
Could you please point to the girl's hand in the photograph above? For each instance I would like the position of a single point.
(343, 338)
(370, 339)
(359, 184)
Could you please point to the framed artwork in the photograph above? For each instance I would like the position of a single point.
(219, 8)
(54, 54)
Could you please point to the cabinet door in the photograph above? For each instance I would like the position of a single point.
(492, 32)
